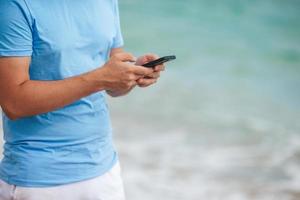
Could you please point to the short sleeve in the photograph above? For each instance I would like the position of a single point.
(118, 38)
(15, 29)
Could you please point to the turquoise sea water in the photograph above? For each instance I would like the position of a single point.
(224, 120)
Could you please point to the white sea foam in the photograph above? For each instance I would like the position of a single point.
(166, 165)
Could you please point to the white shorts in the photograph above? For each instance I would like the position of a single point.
(109, 186)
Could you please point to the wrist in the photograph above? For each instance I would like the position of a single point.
(95, 79)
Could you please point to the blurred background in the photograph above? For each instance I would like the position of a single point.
(223, 122)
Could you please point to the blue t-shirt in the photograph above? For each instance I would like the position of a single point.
(64, 38)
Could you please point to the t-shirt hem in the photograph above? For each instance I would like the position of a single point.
(5, 53)
(44, 184)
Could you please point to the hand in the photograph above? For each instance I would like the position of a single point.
(119, 76)
(153, 77)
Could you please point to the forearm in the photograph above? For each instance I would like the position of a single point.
(36, 97)
(22, 97)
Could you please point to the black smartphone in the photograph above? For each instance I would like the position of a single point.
(159, 61)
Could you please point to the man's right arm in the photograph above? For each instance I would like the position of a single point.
(22, 97)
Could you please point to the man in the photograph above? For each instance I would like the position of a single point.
(57, 59)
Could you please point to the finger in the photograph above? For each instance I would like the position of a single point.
(151, 56)
(146, 82)
(133, 77)
(141, 60)
(159, 68)
(153, 75)
(146, 58)
(125, 57)
(133, 84)
(141, 71)
(138, 70)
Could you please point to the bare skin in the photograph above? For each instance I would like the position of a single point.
(22, 97)
(141, 82)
